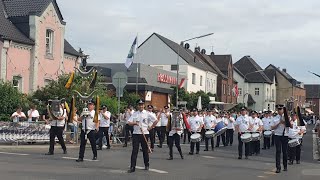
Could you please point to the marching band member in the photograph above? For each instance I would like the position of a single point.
(142, 123)
(174, 135)
(242, 124)
(56, 130)
(223, 119)
(18, 115)
(266, 127)
(128, 128)
(296, 132)
(196, 125)
(230, 129)
(209, 124)
(281, 139)
(152, 131)
(185, 129)
(257, 124)
(164, 117)
(89, 130)
(158, 126)
(104, 126)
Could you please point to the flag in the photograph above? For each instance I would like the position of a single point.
(182, 83)
(235, 90)
(131, 53)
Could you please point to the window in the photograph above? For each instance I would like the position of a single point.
(224, 89)
(240, 91)
(17, 82)
(174, 67)
(272, 94)
(229, 90)
(193, 78)
(200, 80)
(49, 42)
(159, 67)
(256, 91)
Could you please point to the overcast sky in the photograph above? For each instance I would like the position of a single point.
(285, 33)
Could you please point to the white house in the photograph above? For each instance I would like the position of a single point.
(257, 90)
(162, 53)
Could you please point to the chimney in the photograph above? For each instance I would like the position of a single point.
(203, 51)
(284, 70)
(181, 44)
(197, 48)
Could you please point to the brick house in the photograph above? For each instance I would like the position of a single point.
(313, 98)
(33, 49)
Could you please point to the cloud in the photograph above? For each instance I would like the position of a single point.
(284, 33)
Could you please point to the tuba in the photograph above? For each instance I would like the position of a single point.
(53, 108)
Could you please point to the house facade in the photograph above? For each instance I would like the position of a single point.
(313, 98)
(33, 49)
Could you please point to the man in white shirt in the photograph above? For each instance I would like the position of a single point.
(89, 130)
(152, 131)
(142, 123)
(175, 133)
(230, 129)
(105, 116)
(56, 130)
(164, 117)
(196, 125)
(33, 114)
(257, 128)
(296, 132)
(224, 120)
(266, 120)
(209, 124)
(18, 115)
(128, 128)
(281, 138)
(242, 126)
(186, 132)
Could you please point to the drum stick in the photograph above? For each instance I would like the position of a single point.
(145, 139)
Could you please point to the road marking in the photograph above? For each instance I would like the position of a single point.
(19, 154)
(90, 160)
(153, 170)
(208, 157)
(262, 176)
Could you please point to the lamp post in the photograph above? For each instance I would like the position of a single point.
(177, 85)
(244, 79)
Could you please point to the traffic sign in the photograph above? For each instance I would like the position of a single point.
(119, 81)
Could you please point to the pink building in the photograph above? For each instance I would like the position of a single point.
(33, 50)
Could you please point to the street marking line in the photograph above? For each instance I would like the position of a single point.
(90, 160)
(19, 154)
(153, 170)
(262, 176)
(208, 157)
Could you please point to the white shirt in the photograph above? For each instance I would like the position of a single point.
(294, 131)
(243, 122)
(231, 123)
(16, 119)
(34, 114)
(159, 122)
(279, 130)
(128, 115)
(88, 122)
(151, 117)
(225, 121)
(209, 121)
(195, 123)
(256, 122)
(103, 121)
(164, 119)
(59, 123)
(144, 119)
(267, 123)
(179, 126)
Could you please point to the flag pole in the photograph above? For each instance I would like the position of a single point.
(137, 76)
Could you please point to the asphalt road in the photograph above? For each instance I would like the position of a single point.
(30, 163)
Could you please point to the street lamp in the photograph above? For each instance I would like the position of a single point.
(177, 85)
(244, 78)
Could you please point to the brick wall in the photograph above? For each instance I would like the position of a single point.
(158, 100)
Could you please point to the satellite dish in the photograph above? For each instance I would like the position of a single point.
(203, 51)
(212, 53)
(187, 46)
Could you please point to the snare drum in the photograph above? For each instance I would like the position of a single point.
(220, 129)
(209, 134)
(246, 137)
(196, 137)
(267, 134)
(294, 143)
(255, 137)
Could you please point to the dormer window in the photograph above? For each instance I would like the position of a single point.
(49, 42)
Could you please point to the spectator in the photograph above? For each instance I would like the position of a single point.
(74, 127)
(18, 115)
(33, 114)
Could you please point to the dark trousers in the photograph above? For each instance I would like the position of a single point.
(294, 152)
(56, 132)
(207, 143)
(229, 136)
(266, 142)
(158, 131)
(164, 134)
(272, 140)
(203, 134)
(223, 136)
(103, 131)
(176, 140)
(128, 129)
(281, 143)
(138, 139)
(152, 133)
(92, 138)
(255, 147)
(185, 134)
(240, 147)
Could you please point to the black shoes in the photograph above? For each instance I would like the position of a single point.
(239, 157)
(206, 150)
(159, 146)
(290, 162)
(278, 171)
(108, 147)
(94, 158)
(146, 168)
(131, 170)
(48, 154)
(79, 160)
(264, 148)
(197, 152)
(65, 152)
(285, 169)
(190, 153)
(170, 158)
(99, 149)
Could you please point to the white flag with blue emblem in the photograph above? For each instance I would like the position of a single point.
(131, 54)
